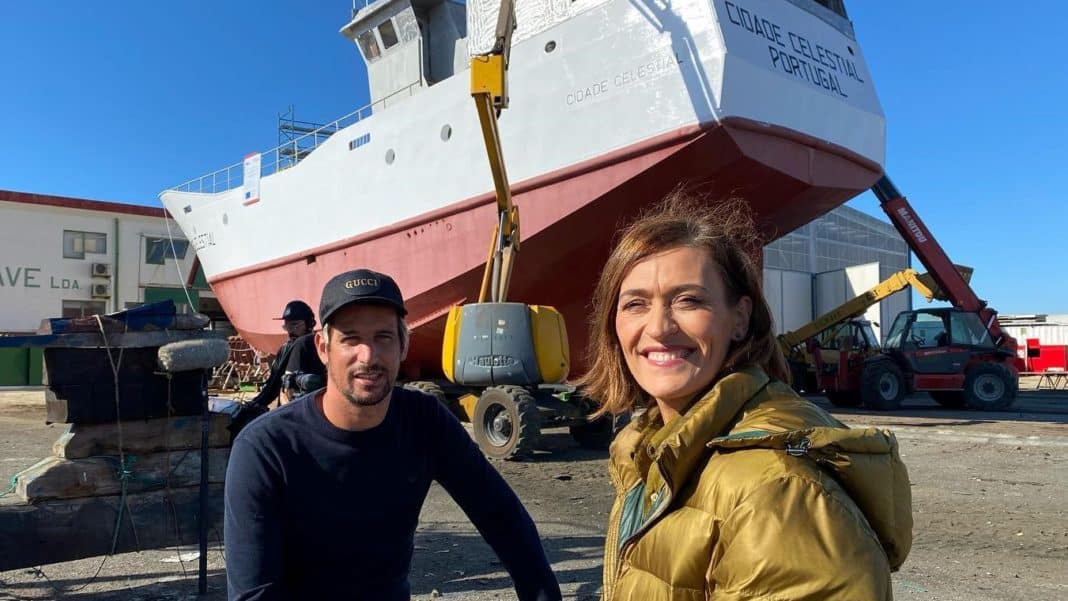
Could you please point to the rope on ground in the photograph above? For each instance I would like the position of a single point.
(14, 485)
(167, 481)
(124, 472)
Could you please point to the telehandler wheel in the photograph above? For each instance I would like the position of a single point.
(844, 398)
(798, 376)
(506, 423)
(989, 387)
(435, 391)
(596, 434)
(882, 386)
(950, 399)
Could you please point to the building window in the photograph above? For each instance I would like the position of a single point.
(78, 244)
(158, 250)
(80, 308)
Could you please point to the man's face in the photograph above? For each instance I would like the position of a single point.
(295, 327)
(364, 353)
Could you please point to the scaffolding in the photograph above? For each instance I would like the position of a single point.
(296, 138)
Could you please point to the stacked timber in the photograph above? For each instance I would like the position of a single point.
(125, 475)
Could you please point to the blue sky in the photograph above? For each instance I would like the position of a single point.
(118, 100)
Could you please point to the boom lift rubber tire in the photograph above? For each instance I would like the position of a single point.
(989, 387)
(950, 399)
(882, 386)
(435, 391)
(844, 398)
(506, 423)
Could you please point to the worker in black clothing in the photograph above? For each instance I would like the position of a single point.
(296, 368)
(323, 494)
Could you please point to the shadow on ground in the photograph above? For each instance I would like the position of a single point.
(182, 588)
(459, 563)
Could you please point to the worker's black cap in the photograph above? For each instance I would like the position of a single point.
(360, 286)
(297, 310)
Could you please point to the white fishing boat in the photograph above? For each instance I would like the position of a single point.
(613, 103)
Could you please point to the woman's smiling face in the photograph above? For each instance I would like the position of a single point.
(675, 324)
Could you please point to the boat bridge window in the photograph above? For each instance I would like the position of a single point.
(388, 34)
(838, 6)
(369, 45)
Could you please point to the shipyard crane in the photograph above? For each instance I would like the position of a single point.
(507, 361)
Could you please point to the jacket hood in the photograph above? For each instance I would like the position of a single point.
(865, 462)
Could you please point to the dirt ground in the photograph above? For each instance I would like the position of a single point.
(990, 498)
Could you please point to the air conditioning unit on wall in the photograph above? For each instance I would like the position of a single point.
(101, 270)
(101, 290)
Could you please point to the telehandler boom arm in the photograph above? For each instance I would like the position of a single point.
(857, 305)
(935, 259)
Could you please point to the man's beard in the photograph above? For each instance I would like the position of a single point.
(368, 399)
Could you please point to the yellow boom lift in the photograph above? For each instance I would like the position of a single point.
(508, 361)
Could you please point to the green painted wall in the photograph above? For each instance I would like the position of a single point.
(155, 295)
(200, 281)
(14, 365)
(35, 367)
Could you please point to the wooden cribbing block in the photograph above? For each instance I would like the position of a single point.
(147, 436)
(54, 531)
(55, 478)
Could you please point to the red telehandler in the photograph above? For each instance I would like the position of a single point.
(959, 354)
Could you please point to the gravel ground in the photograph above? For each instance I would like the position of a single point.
(990, 495)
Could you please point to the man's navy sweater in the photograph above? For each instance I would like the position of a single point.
(317, 512)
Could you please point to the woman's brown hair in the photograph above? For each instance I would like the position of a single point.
(726, 230)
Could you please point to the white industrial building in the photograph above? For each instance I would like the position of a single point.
(831, 260)
(1051, 328)
(69, 257)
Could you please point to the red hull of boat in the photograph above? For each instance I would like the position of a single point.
(569, 219)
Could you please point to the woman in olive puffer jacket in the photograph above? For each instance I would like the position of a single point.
(729, 486)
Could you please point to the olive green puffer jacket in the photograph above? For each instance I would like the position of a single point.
(764, 496)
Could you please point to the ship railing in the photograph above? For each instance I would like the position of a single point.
(357, 5)
(290, 152)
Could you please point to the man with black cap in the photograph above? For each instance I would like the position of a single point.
(296, 368)
(323, 495)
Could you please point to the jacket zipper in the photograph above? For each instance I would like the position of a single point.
(660, 506)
